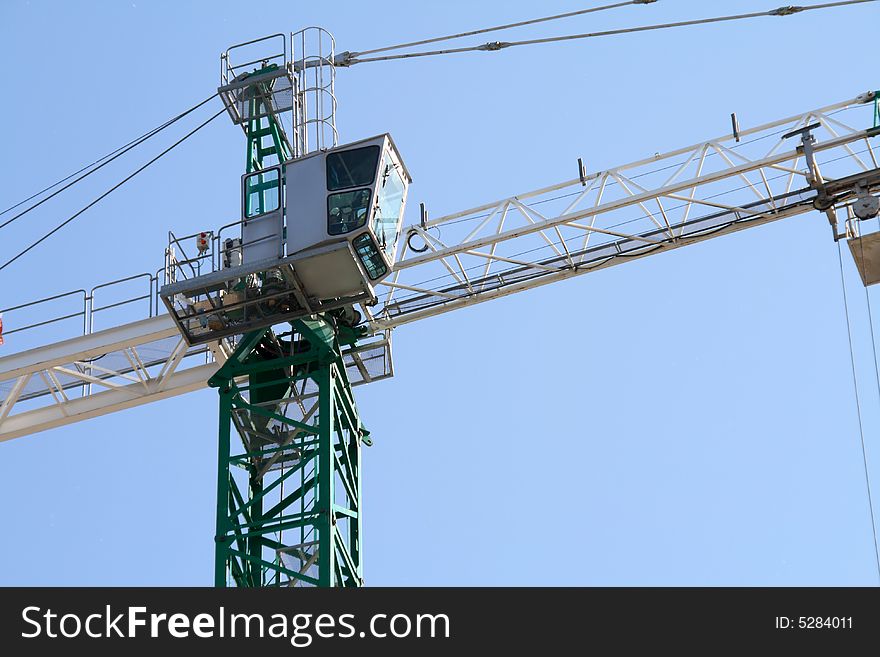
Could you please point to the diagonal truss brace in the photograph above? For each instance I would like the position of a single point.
(75, 387)
(630, 211)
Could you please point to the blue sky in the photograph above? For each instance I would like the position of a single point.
(685, 420)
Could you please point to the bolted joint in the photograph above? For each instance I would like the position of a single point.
(344, 59)
(643, 2)
(494, 45)
(867, 97)
(786, 11)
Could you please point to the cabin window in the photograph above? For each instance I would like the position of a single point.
(354, 168)
(262, 193)
(370, 256)
(347, 211)
(390, 191)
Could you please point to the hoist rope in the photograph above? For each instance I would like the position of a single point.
(498, 45)
(877, 379)
(109, 191)
(497, 28)
(102, 162)
(852, 361)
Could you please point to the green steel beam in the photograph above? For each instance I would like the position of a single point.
(300, 521)
(265, 125)
(295, 526)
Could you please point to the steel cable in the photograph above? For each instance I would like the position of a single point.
(499, 45)
(497, 28)
(109, 191)
(852, 360)
(110, 157)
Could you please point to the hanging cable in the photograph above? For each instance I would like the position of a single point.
(871, 321)
(119, 152)
(348, 60)
(497, 28)
(877, 378)
(109, 191)
(852, 361)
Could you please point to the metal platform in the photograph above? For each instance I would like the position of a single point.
(80, 372)
(238, 299)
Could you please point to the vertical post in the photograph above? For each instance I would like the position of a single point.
(354, 455)
(255, 543)
(325, 477)
(221, 536)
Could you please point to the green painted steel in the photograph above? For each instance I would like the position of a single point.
(288, 510)
(291, 405)
(288, 500)
(266, 125)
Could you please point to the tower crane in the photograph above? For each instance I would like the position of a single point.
(287, 310)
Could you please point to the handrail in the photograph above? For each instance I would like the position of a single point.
(52, 320)
(89, 309)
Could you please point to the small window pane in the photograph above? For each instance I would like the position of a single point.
(262, 193)
(347, 211)
(369, 255)
(354, 168)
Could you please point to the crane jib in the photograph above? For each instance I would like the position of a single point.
(517, 243)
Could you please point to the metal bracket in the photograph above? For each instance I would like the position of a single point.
(823, 202)
(344, 59)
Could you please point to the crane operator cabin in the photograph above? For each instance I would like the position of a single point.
(318, 233)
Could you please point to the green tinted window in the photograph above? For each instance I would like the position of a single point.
(347, 211)
(262, 193)
(354, 168)
(369, 255)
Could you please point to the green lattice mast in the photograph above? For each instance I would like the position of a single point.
(288, 493)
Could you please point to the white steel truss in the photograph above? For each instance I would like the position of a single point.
(99, 373)
(755, 176)
(127, 366)
(598, 220)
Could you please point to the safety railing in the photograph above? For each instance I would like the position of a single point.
(80, 311)
(74, 313)
(179, 264)
(139, 289)
(182, 263)
(297, 75)
(242, 57)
